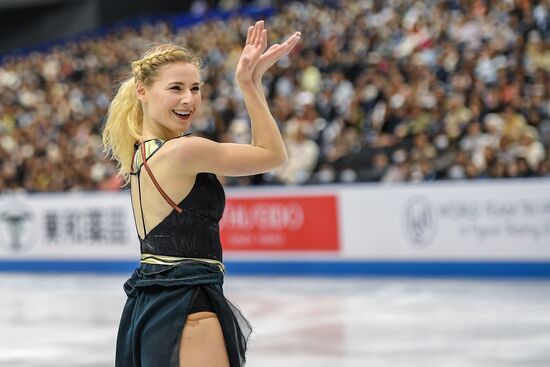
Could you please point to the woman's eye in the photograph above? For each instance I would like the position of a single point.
(176, 88)
(195, 89)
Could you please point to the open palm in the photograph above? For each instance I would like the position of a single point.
(255, 60)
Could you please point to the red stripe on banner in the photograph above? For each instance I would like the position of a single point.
(301, 223)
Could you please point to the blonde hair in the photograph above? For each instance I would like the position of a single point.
(124, 121)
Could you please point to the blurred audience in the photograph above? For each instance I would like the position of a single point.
(377, 91)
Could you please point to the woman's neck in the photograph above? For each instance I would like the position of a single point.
(156, 131)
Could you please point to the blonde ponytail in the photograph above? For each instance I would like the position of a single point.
(124, 122)
(123, 127)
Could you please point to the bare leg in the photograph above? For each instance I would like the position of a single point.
(202, 343)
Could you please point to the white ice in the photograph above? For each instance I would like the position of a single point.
(71, 320)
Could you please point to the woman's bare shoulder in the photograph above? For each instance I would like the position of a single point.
(188, 150)
(187, 145)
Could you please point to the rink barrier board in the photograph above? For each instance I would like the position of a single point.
(460, 269)
(483, 228)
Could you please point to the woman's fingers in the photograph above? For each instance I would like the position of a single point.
(249, 35)
(258, 35)
(263, 40)
(254, 32)
(256, 59)
(293, 40)
(260, 32)
(286, 47)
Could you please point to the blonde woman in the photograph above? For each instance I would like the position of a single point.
(176, 314)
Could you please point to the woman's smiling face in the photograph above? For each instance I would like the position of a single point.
(173, 99)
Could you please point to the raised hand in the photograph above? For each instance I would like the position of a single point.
(255, 60)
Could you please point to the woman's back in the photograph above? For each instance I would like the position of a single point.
(189, 225)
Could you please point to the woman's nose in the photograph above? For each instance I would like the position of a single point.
(187, 96)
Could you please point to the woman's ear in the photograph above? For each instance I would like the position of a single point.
(141, 91)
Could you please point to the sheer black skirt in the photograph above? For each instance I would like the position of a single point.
(159, 299)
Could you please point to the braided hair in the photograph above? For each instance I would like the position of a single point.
(146, 68)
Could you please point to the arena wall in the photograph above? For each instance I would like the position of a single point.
(482, 228)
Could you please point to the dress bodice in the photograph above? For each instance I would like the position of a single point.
(192, 232)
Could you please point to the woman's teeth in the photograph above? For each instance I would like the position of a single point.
(182, 113)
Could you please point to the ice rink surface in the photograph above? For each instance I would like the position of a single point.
(71, 320)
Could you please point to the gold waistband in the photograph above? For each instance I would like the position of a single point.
(175, 260)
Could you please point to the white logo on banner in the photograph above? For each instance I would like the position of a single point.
(420, 221)
(264, 216)
(17, 221)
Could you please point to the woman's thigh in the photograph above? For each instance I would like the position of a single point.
(202, 343)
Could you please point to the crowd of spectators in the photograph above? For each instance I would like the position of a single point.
(377, 91)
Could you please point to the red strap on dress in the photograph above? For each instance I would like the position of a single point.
(168, 200)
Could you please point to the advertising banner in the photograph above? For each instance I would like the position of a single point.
(481, 220)
(281, 223)
(67, 226)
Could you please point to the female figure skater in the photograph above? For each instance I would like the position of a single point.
(176, 314)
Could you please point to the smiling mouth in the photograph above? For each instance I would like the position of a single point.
(182, 114)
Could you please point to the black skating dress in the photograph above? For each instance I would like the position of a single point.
(181, 272)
